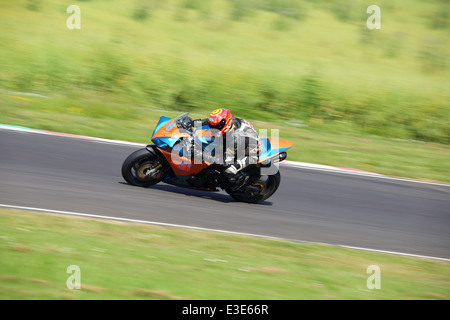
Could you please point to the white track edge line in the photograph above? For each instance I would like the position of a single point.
(163, 224)
(73, 136)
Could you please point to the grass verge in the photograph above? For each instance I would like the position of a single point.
(132, 261)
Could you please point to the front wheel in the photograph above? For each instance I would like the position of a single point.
(143, 168)
(258, 189)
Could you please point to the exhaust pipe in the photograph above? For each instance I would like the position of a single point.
(282, 156)
(276, 158)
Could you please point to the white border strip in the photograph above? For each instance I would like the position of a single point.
(87, 215)
(301, 165)
(319, 167)
(67, 135)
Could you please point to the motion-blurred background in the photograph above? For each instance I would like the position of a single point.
(345, 94)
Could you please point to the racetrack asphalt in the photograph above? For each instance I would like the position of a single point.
(76, 175)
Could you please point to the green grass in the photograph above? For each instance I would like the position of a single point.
(171, 263)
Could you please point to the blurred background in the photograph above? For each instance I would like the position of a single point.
(311, 68)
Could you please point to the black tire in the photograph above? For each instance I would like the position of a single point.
(138, 163)
(272, 184)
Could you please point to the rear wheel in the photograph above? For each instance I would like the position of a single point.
(257, 190)
(143, 168)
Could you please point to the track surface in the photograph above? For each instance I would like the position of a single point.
(61, 173)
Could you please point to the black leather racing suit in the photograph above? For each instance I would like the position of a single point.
(239, 147)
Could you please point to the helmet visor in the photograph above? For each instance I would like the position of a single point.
(219, 126)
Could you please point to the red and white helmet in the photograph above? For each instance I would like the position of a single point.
(221, 120)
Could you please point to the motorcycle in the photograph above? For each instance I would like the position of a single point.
(168, 160)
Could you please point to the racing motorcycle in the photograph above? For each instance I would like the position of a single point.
(168, 161)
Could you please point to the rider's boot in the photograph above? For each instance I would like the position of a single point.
(234, 175)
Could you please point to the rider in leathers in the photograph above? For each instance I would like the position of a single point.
(235, 141)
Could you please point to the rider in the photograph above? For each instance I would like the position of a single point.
(240, 143)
